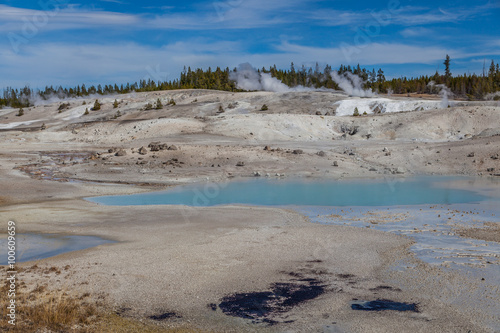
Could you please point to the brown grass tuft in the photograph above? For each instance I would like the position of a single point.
(40, 309)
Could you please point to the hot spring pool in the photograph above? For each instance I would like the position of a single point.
(272, 192)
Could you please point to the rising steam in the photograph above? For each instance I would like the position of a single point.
(444, 92)
(247, 78)
(351, 84)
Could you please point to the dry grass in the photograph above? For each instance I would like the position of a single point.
(40, 309)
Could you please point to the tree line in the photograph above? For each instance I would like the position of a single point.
(471, 86)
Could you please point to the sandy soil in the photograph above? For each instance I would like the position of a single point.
(490, 232)
(180, 260)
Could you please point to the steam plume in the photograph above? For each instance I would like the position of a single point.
(444, 92)
(351, 84)
(247, 78)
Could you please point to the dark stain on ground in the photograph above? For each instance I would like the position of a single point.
(384, 304)
(164, 316)
(264, 306)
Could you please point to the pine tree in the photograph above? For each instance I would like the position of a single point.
(115, 104)
(97, 105)
(159, 105)
(380, 76)
(447, 73)
(492, 71)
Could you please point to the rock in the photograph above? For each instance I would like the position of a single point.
(470, 155)
(240, 164)
(349, 129)
(112, 150)
(157, 146)
(94, 157)
(143, 151)
(399, 170)
(385, 149)
(318, 113)
(43, 127)
(121, 152)
(490, 169)
(267, 148)
(298, 151)
(268, 175)
(388, 153)
(494, 157)
(277, 175)
(321, 153)
(257, 174)
(335, 163)
(372, 169)
(173, 147)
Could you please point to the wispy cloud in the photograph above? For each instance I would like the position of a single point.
(215, 15)
(416, 32)
(405, 15)
(114, 1)
(235, 14)
(14, 19)
(372, 53)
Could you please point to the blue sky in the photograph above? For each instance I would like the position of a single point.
(66, 42)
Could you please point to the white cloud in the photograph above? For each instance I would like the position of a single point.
(18, 20)
(114, 1)
(406, 15)
(416, 32)
(236, 14)
(371, 53)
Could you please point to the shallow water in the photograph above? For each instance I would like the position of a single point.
(276, 192)
(433, 227)
(30, 247)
